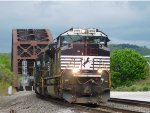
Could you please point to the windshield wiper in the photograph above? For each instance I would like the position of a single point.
(79, 37)
(69, 36)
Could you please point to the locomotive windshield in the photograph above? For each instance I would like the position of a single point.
(79, 38)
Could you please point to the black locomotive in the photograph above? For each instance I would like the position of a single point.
(75, 67)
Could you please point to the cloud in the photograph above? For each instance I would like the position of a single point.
(123, 21)
(110, 13)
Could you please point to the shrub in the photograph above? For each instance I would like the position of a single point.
(127, 66)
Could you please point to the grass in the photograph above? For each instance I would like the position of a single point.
(141, 85)
(135, 87)
(4, 88)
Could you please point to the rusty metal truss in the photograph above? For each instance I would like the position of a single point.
(28, 44)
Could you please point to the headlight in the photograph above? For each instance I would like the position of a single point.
(75, 70)
(83, 31)
(100, 71)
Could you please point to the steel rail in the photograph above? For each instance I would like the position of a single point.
(105, 109)
(130, 102)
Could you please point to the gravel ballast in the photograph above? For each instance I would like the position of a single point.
(28, 102)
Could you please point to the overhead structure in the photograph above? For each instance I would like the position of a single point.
(27, 44)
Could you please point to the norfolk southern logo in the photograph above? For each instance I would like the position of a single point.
(87, 60)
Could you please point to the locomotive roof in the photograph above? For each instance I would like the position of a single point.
(84, 32)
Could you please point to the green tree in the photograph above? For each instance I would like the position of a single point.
(127, 66)
(142, 50)
(5, 60)
(6, 76)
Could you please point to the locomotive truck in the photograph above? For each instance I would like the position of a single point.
(75, 67)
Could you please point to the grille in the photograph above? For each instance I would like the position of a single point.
(85, 62)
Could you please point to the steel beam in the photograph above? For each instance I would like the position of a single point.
(27, 44)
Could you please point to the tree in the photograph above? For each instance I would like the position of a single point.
(6, 76)
(142, 50)
(127, 66)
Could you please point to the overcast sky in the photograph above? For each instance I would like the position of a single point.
(123, 22)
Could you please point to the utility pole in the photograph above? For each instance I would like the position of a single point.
(24, 73)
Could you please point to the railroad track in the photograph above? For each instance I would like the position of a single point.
(102, 108)
(131, 102)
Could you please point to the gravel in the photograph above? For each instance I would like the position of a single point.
(129, 107)
(28, 102)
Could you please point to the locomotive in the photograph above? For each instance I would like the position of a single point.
(75, 67)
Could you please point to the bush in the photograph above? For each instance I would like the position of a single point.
(133, 88)
(6, 76)
(145, 88)
(127, 66)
